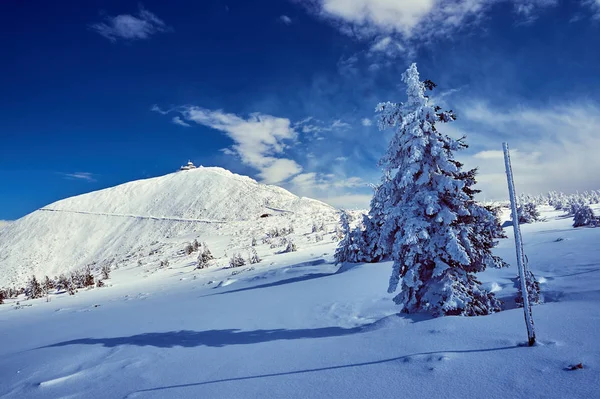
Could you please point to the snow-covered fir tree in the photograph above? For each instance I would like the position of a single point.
(34, 288)
(584, 216)
(236, 260)
(253, 258)
(204, 256)
(427, 213)
(345, 246)
(528, 213)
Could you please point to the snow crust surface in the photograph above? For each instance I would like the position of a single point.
(297, 326)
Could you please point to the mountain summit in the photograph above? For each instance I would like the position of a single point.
(125, 220)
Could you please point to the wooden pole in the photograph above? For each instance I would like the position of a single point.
(519, 246)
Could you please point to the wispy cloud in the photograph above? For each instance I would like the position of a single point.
(86, 176)
(399, 24)
(285, 19)
(130, 27)
(178, 121)
(336, 190)
(366, 122)
(552, 148)
(259, 140)
(594, 5)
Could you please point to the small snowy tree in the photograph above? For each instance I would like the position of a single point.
(290, 247)
(33, 289)
(204, 256)
(584, 216)
(346, 249)
(254, 258)
(3, 296)
(105, 272)
(236, 261)
(528, 213)
(426, 213)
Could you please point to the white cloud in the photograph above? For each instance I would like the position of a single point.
(178, 121)
(341, 159)
(285, 19)
(332, 188)
(338, 124)
(89, 177)
(259, 140)
(397, 22)
(594, 6)
(366, 122)
(129, 27)
(553, 148)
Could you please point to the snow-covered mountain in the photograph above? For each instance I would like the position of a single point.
(154, 216)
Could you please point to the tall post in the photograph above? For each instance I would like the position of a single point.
(519, 246)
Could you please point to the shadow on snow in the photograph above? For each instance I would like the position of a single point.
(329, 368)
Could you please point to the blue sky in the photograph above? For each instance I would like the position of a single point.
(98, 93)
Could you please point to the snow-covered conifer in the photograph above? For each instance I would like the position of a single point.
(427, 212)
(290, 247)
(204, 256)
(342, 252)
(33, 289)
(528, 213)
(584, 216)
(105, 272)
(253, 258)
(236, 261)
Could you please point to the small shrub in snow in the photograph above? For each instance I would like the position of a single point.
(33, 289)
(189, 248)
(236, 261)
(195, 245)
(314, 228)
(290, 247)
(164, 263)
(318, 238)
(253, 241)
(584, 216)
(99, 283)
(88, 277)
(2, 296)
(528, 213)
(204, 257)
(254, 258)
(105, 272)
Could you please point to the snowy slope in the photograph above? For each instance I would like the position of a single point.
(297, 326)
(122, 223)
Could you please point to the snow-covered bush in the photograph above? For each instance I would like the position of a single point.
(204, 256)
(253, 258)
(290, 247)
(189, 248)
(346, 249)
(584, 216)
(105, 272)
(528, 213)
(236, 261)
(47, 285)
(2, 296)
(33, 289)
(428, 212)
